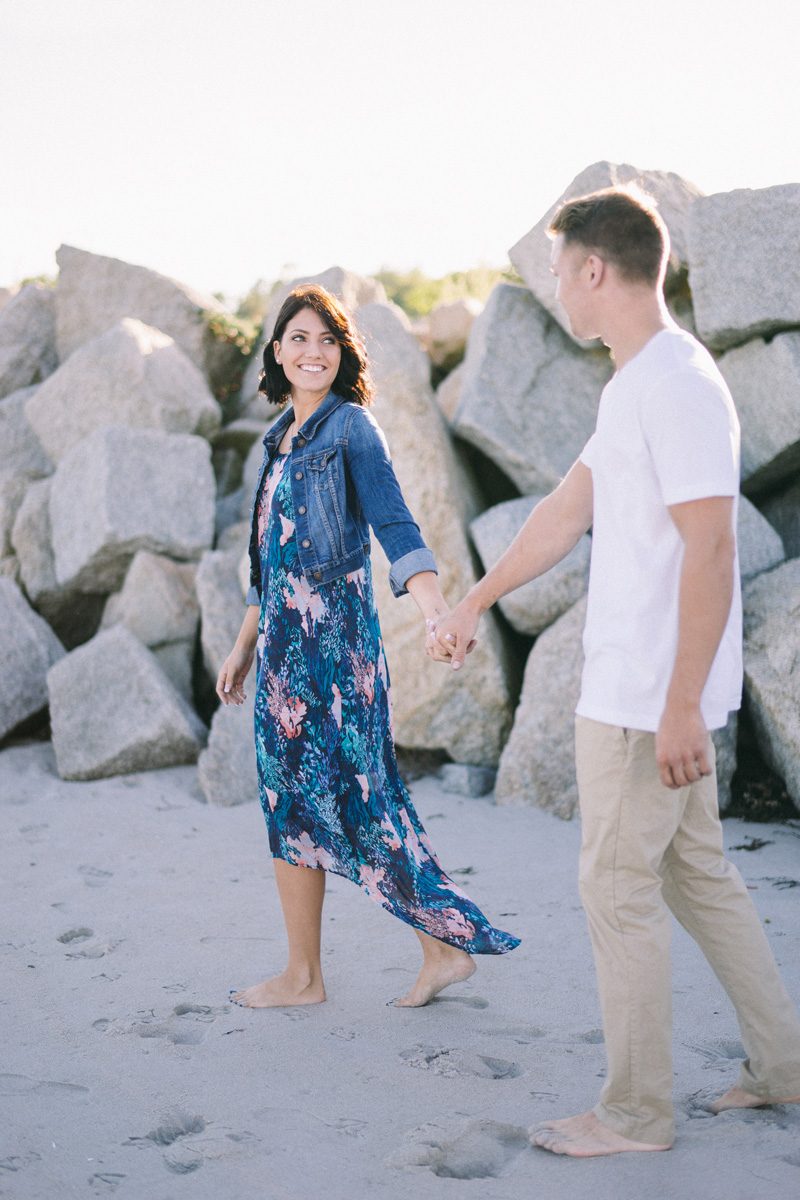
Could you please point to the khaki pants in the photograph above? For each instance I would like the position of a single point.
(647, 849)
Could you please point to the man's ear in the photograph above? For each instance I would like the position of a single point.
(595, 270)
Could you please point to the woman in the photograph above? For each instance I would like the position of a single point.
(328, 778)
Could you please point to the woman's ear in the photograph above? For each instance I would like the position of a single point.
(276, 350)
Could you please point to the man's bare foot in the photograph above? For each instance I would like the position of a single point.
(281, 992)
(451, 965)
(736, 1098)
(584, 1137)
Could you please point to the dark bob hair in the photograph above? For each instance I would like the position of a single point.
(352, 381)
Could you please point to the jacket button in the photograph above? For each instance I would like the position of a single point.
(318, 574)
(302, 510)
(298, 474)
(301, 441)
(306, 543)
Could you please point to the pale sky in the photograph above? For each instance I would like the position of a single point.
(219, 140)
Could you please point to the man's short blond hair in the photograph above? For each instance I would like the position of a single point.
(622, 225)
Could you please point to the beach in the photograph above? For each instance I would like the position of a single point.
(131, 909)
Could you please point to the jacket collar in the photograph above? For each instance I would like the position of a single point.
(275, 433)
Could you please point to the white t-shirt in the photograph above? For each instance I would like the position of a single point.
(667, 432)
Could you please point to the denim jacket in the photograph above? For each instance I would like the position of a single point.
(342, 482)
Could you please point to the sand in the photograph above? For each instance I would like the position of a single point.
(130, 908)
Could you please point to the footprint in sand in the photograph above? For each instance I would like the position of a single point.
(187, 1142)
(480, 1150)
(187, 1024)
(18, 1162)
(81, 934)
(72, 936)
(106, 1182)
(467, 1001)
(453, 1064)
(718, 1053)
(523, 1035)
(94, 876)
(19, 1085)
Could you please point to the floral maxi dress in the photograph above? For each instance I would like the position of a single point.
(328, 778)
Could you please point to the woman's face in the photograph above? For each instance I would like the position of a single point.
(309, 353)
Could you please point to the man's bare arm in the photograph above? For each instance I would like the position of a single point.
(554, 527)
(706, 591)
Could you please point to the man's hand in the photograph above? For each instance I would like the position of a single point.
(682, 747)
(454, 635)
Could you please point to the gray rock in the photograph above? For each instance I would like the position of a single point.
(538, 763)
(113, 711)
(7, 293)
(27, 338)
(744, 256)
(675, 196)
(226, 769)
(529, 396)
(157, 601)
(131, 375)
(28, 648)
(21, 452)
(760, 546)
(227, 510)
(176, 660)
(222, 607)
(235, 537)
(240, 435)
(22, 460)
(12, 492)
(95, 292)
(764, 379)
(353, 290)
(464, 780)
(123, 490)
(73, 616)
(535, 605)
(782, 510)
(9, 568)
(725, 746)
(448, 392)
(448, 329)
(31, 540)
(467, 713)
(772, 678)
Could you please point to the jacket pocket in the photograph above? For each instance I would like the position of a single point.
(324, 476)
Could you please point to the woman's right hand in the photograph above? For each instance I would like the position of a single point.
(233, 673)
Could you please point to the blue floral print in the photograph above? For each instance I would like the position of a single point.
(328, 778)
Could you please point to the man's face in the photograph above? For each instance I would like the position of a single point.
(568, 264)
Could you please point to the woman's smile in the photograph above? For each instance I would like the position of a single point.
(309, 353)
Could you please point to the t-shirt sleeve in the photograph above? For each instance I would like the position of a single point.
(692, 433)
(587, 453)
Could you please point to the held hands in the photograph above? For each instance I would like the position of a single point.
(682, 746)
(233, 673)
(451, 637)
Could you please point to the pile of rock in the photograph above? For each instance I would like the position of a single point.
(125, 493)
(528, 397)
(108, 500)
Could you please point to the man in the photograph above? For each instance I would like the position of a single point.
(658, 482)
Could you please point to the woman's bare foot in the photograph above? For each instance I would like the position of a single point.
(281, 992)
(440, 969)
(584, 1137)
(736, 1098)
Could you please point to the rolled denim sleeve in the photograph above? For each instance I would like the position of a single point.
(253, 597)
(410, 564)
(382, 502)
